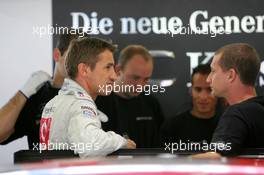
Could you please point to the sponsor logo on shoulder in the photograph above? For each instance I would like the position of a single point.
(88, 111)
(82, 95)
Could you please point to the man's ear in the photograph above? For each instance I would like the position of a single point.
(56, 54)
(84, 70)
(118, 69)
(232, 74)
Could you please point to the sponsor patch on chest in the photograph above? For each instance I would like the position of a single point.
(44, 131)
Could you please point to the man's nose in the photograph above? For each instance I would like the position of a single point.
(113, 76)
(204, 94)
(208, 79)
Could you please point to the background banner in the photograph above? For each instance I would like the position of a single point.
(180, 33)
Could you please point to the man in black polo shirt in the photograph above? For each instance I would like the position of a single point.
(234, 70)
(21, 115)
(132, 113)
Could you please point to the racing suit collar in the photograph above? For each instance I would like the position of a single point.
(71, 87)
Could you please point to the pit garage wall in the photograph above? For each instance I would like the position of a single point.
(22, 52)
(170, 25)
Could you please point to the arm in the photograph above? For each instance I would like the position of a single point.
(228, 137)
(9, 114)
(207, 155)
(86, 130)
(231, 132)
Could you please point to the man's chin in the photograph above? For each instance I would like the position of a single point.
(204, 110)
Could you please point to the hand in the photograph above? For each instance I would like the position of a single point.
(103, 118)
(34, 83)
(207, 155)
(131, 144)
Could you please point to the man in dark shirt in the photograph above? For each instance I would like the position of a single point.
(131, 112)
(21, 115)
(234, 71)
(198, 124)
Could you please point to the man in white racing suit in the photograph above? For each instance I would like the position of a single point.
(71, 119)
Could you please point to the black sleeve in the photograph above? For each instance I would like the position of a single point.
(165, 131)
(159, 117)
(231, 131)
(159, 113)
(169, 130)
